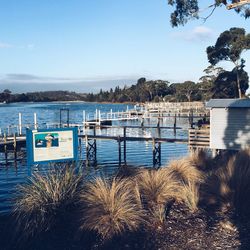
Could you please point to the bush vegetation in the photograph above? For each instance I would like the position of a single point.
(39, 202)
(136, 199)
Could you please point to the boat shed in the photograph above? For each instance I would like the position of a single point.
(229, 123)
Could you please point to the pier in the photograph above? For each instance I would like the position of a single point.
(14, 139)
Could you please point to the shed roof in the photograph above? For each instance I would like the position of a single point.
(228, 103)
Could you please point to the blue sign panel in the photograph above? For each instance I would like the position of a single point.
(51, 145)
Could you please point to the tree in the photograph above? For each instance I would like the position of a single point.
(186, 91)
(206, 82)
(229, 47)
(141, 81)
(225, 84)
(188, 9)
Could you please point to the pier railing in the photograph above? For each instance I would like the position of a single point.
(199, 138)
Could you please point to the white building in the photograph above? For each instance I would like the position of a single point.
(229, 123)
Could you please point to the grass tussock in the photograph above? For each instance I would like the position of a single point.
(184, 170)
(190, 196)
(157, 187)
(229, 186)
(39, 201)
(111, 207)
(126, 171)
(202, 160)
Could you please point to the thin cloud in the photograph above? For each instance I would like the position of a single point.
(5, 45)
(19, 83)
(28, 78)
(197, 34)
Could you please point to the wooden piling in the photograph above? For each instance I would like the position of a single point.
(5, 148)
(87, 149)
(20, 123)
(142, 122)
(125, 146)
(158, 121)
(15, 148)
(119, 150)
(175, 125)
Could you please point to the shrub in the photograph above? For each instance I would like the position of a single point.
(229, 186)
(111, 207)
(39, 201)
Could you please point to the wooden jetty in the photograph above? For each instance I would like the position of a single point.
(12, 144)
(14, 137)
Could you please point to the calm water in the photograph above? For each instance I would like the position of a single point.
(138, 153)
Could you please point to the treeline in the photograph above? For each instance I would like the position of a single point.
(44, 96)
(216, 83)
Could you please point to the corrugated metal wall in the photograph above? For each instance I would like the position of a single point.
(230, 128)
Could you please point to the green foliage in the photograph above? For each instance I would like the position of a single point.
(225, 85)
(189, 9)
(184, 10)
(45, 96)
(229, 46)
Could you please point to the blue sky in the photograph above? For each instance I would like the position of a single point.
(85, 45)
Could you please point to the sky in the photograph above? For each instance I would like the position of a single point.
(85, 45)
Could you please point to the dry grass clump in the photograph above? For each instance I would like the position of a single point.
(157, 187)
(111, 207)
(229, 186)
(202, 160)
(39, 201)
(190, 196)
(126, 171)
(185, 171)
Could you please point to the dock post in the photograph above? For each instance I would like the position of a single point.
(156, 153)
(90, 152)
(35, 121)
(87, 149)
(99, 117)
(125, 145)
(20, 123)
(5, 149)
(96, 115)
(142, 122)
(191, 118)
(119, 150)
(158, 122)
(83, 117)
(15, 148)
(175, 124)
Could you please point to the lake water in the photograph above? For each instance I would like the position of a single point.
(138, 153)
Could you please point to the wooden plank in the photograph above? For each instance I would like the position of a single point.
(104, 137)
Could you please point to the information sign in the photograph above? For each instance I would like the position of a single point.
(51, 145)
